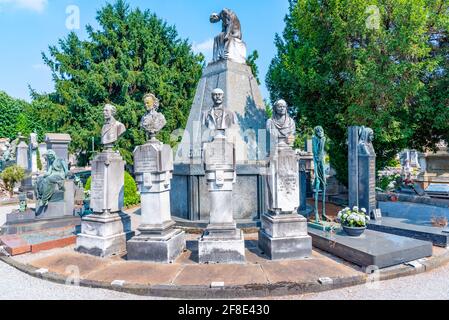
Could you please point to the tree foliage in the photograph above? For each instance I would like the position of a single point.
(132, 53)
(12, 175)
(340, 67)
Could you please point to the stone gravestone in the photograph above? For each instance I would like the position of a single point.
(153, 165)
(283, 234)
(54, 192)
(22, 155)
(222, 242)
(105, 232)
(59, 143)
(362, 169)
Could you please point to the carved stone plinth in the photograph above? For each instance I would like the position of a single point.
(285, 237)
(158, 240)
(105, 232)
(222, 242)
(104, 235)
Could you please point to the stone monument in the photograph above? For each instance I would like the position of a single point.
(53, 191)
(153, 166)
(222, 242)
(59, 143)
(22, 154)
(228, 71)
(105, 232)
(283, 234)
(362, 169)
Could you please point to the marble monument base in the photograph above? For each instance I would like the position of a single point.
(222, 244)
(61, 204)
(104, 235)
(285, 237)
(161, 245)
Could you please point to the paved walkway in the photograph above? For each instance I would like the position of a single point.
(433, 285)
(15, 285)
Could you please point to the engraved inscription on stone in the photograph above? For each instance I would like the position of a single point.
(146, 160)
(218, 153)
(97, 187)
(147, 180)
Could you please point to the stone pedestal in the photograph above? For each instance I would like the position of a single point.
(158, 240)
(104, 235)
(283, 234)
(105, 232)
(222, 242)
(61, 204)
(285, 237)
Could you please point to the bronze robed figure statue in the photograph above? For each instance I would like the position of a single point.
(318, 144)
(52, 180)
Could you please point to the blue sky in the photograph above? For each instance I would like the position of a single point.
(28, 27)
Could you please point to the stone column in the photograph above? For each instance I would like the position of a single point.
(59, 143)
(222, 242)
(105, 232)
(158, 240)
(283, 234)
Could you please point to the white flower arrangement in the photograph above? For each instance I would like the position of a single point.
(354, 217)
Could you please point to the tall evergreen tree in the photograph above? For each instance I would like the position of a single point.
(382, 65)
(133, 52)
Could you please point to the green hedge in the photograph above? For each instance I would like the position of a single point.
(131, 195)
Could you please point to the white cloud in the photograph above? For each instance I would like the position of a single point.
(205, 47)
(33, 5)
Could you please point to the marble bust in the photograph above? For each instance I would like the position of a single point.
(366, 138)
(153, 121)
(228, 44)
(218, 118)
(112, 129)
(281, 127)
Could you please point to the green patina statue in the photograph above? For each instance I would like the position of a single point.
(23, 203)
(52, 180)
(319, 142)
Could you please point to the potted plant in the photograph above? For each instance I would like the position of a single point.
(353, 221)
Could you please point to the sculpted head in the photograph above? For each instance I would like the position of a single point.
(366, 135)
(151, 102)
(109, 112)
(319, 131)
(51, 156)
(217, 97)
(280, 108)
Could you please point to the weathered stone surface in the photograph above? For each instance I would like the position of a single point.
(61, 204)
(161, 249)
(372, 248)
(243, 97)
(59, 143)
(222, 249)
(283, 181)
(107, 182)
(104, 234)
(158, 241)
(285, 237)
(22, 155)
